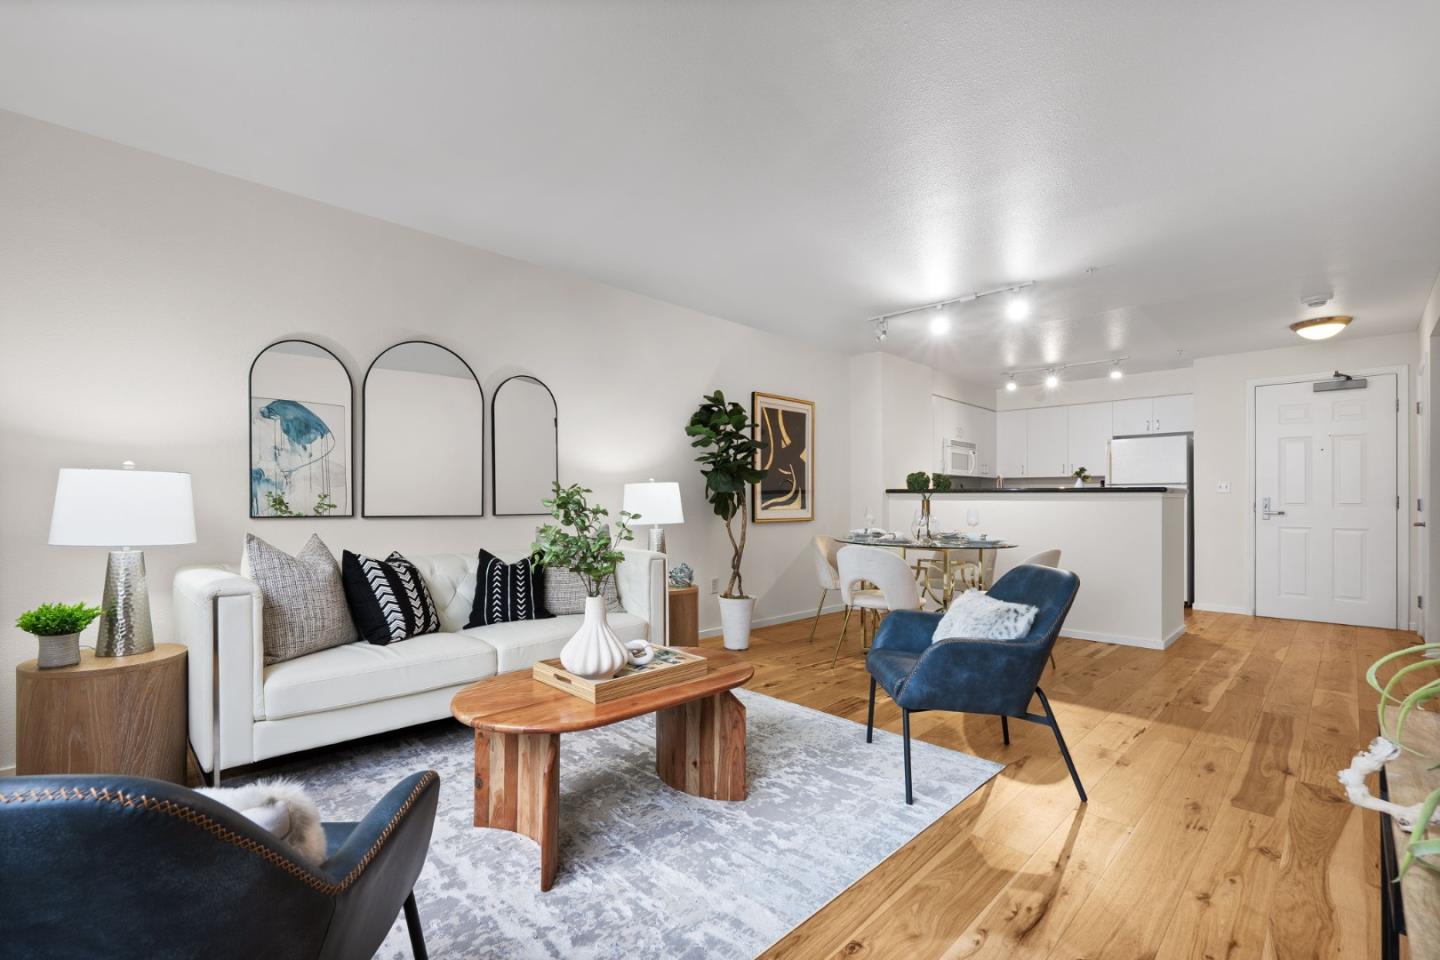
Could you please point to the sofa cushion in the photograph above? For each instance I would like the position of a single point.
(519, 644)
(362, 672)
(507, 591)
(305, 609)
(388, 598)
(564, 592)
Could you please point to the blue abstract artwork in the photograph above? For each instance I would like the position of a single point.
(298, 464)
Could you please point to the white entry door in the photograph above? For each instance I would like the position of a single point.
(1326, 503)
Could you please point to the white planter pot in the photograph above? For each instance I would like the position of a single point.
(594, 653)
(61, 650)
(735, 616)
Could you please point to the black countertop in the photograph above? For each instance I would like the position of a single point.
(986, 491)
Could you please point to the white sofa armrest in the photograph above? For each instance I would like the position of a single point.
(218, 615)
(640, 578)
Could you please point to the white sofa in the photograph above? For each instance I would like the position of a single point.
(255, 712)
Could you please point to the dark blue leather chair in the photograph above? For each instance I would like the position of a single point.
(974, 676)
(121, 867)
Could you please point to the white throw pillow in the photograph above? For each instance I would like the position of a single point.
(281, 807)
(976, 616)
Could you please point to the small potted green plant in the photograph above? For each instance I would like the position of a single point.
(581, 540)
(1082, 476)
(58, 626)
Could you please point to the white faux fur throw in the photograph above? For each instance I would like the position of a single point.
(976, 616)
(281, 807)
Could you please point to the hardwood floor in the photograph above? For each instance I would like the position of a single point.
(1215, 827)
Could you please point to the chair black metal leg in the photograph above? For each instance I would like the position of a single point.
(870, 720)
(905, 734)
(417, 934)
(1064, 751)
(1005, 729)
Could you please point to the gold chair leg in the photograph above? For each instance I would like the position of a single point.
(824, 592)
(838, 643)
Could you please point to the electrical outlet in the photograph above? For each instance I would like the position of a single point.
(714, 585)
(1222, 486)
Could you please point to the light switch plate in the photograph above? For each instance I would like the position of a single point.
(1222, 486)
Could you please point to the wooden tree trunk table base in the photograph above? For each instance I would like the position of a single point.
(699, 744)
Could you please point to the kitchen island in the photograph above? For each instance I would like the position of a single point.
(1127, 545)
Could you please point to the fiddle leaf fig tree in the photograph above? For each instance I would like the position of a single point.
(722, 430)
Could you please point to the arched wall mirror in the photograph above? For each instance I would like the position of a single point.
(424, 434)
(525, 461)
(301, 446)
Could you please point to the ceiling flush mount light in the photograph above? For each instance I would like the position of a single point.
(1052, 380)
(1017, 306)
(1320, 328)
(1011, 386)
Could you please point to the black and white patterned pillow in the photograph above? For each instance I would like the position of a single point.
(507, 591)
(387, 598)
(564, 593)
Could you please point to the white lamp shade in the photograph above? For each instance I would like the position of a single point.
(656, 503)
(122, 508)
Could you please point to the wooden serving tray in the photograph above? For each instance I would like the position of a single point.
(671, 665)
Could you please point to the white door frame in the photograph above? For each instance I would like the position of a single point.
(1402, 478)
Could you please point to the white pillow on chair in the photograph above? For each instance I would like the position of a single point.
(977, 616)
(281, 807)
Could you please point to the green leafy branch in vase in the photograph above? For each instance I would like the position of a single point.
(581, 539)
(731, 461)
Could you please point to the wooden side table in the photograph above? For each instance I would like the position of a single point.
(124, 715)
(684, 616)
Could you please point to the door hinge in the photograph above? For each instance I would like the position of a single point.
(1397, 501)
(1397, 404)
(1420, 603)
(1418, 408)
(1419, 504)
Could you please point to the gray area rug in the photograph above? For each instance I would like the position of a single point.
(646, 871)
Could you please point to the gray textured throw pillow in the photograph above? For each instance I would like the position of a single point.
(305, 607)
(565, 593)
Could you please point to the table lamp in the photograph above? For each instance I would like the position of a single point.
(656, 504)
(125, 508)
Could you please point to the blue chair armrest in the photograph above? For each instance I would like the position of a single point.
(976, 676)
(906, 631)
(405, 800)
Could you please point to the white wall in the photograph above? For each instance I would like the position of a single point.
(1221, 519)
(134, 292)
(1156, 383)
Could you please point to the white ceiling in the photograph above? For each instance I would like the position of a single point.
(803, 166)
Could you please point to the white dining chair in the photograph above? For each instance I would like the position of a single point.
(1045, 558)
(894, 586)
(823, 550)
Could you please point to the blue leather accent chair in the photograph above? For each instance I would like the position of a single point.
(974, 676)
(120, 867)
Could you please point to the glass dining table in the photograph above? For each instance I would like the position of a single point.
(941, 544)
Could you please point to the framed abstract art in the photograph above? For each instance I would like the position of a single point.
(300, 439)
(787, 427)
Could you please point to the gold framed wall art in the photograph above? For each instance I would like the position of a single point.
(787, 427)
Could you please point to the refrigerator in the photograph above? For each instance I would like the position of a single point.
(1160, 460)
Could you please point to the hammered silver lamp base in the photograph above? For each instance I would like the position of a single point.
(125, 626)
(657, 538)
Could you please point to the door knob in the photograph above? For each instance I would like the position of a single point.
(1266, 512)
(1418, 523)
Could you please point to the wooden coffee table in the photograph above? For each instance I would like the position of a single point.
(699, 743)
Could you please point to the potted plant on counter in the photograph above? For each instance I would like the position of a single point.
(722, 430)
(581, 540)
(58, 627)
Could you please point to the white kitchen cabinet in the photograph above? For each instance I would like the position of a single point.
(1175, 414)
(1047, 439)
(1131, 416)
(1169, 414)
(1010, 443)
(953, 420)
(1089, 437)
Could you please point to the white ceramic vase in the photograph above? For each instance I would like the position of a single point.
(735, 615)
(594, 653)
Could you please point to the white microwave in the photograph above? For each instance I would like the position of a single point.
(958, 458)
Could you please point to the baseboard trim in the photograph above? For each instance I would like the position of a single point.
(1143, 642)
(778, 619)
(7, 771)
(1222, 608)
